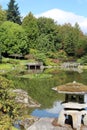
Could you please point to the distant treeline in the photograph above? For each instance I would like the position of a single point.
(43, 34)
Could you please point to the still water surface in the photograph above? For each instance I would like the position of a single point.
(50, 112)
(51, 101)
(40, 89)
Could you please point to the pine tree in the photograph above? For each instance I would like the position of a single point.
(13, 12)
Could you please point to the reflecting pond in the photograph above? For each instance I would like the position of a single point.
(59, 77)
(48, 112)
(39, 87)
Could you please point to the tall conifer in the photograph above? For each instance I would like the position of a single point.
(13, 13)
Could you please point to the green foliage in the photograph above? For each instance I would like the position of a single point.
(13, 39)
(48, 39)
(49, 62)
(45, 44)
(2, 15)
(33, 51)
(40, 76)
(46, 25)
(0, 58)
(52, 38)
(62, 55)
(5, 122)
(6, 66)
(67, 37)
(8, 107)
(39, 56)
(42, 34)
(57, 55)
(2, 19)
(83, 60)
(30, 25)
(13, 14)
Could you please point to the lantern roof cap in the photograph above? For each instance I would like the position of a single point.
(72, 87)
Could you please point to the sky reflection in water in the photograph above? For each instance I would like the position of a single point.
(52, 112)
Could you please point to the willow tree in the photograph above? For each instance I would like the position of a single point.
(13, 13)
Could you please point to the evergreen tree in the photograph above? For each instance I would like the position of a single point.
(13, 14)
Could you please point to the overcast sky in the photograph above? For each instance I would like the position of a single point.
(63, 11)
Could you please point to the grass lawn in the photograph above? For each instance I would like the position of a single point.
(16, 61)
(37, 76)
(6, 66)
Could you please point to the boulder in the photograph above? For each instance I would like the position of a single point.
(28, 121)
(23, 98)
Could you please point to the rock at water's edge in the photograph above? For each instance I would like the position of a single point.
(23, 97)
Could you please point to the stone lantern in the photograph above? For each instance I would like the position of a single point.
(74, 112)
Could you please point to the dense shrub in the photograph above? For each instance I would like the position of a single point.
(83, 60)
(8, 108)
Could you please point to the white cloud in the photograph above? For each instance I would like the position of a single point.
(63, 17)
